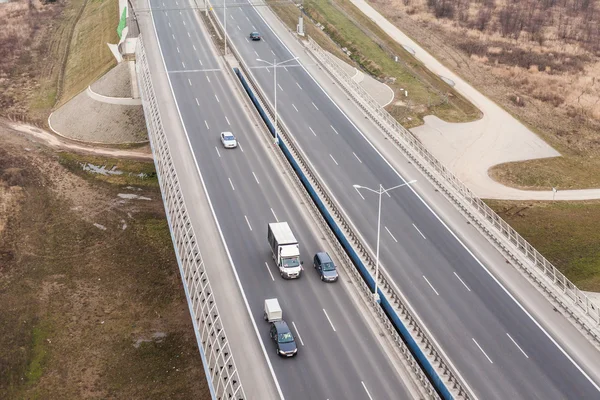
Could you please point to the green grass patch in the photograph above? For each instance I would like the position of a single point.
(39, 353)
(571, 171)
(566, 233)
(139, 173)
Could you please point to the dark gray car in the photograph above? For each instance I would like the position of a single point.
(325, 267)
(283, 338)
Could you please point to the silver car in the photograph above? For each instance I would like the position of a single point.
(228, 140)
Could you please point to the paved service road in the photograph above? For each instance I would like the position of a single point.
(339, 357)
(496, 345)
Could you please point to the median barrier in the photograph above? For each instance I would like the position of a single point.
(413, 346)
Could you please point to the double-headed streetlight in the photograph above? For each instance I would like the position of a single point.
(275, 65)
(380, 192)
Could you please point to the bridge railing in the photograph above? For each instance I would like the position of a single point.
(217, 357)
(554, 284)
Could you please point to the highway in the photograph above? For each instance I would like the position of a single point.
(501, 351)
(339, 356)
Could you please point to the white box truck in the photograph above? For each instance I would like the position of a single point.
(285, 250)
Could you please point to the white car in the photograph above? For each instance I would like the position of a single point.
(228, 140)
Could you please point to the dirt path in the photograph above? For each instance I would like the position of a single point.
(471, 149)
(61, 143)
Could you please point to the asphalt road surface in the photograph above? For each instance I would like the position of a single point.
(339, 356)
(496, 345)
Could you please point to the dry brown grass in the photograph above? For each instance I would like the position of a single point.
(372, 51)
(86, 312)
(89, 56)
(36, 39)
(26, 59)
(548, 81)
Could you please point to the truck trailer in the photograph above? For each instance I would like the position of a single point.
(285, 250)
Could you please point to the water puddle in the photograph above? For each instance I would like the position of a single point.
(103, 170)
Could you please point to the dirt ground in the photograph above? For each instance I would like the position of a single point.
(547, 81)
(92, 301)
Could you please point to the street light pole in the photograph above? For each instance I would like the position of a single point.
(275, 65)
(376, 293)
(380, 192)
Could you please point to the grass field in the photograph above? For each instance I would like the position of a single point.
(92, 300)
(565, 233)
(343, 22)
(89, 57)
(51, 48)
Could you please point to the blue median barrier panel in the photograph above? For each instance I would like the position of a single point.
(412, 345)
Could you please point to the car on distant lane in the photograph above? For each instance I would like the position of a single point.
(254, 36)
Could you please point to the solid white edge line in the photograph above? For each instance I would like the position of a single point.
(298, 333)
(330, 323)
(519, 347)
(237, 277)
(248, 222)
(269, 269)
(430, 285)
(231, 183)
(388, 231)
(461, 281)
(418, 230)
(443, 223)
(366, 390)
(486, 356)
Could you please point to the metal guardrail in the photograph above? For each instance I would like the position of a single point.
(510, 242)
(321, 211)
(219, 366)
(417, 340)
